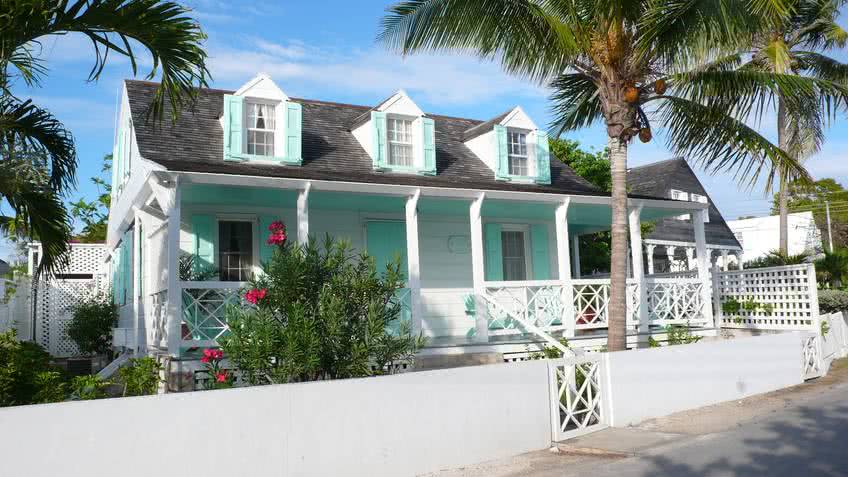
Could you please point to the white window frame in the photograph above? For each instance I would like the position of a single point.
(529, 144)
(254, 222)
(277, 132)
(413, 141)
(528, 250)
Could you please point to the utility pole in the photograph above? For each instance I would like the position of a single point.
(829, 231)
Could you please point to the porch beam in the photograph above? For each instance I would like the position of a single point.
(303, 214)
(568, 318)
(698, 219)
(413, 261)
(639, 270)
(481, 324)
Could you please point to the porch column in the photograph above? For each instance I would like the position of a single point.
(564, 267)
(650, 252)
(669, 252)
(137, 271)
(639, 271)
(170, 195)
(413, 281)
(303, 214)
(724, 263)
(739, 262)
(690, 258)
(478, 274)
(575, 255)
(700, 217)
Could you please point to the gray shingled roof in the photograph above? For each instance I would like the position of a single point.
(657, 180)
(483, 128)
(4, 267)
(330, 152)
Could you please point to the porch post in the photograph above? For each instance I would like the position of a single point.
(564, 267)
(639, 271)
(669, 252)
(481, 318)
(575, 255)
(739, 262)
(137, 269)
(724, 260)
(413, 281)
(303, 214)
(703, 262)
(174, 292)
(690, 255)
(650, 252)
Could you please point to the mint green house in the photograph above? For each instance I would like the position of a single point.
(485, 220)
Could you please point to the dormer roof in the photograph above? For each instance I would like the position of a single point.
(262, 86)
(392, 101)
(514, 115)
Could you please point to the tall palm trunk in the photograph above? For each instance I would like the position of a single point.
(617, 326)
(782, 142)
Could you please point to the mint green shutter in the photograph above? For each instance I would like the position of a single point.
(494, 252)
(501, 154)
(139, 289)
(265, 251)
(386, 240)
(294, 125)
(378, 120)
(541, 256)
(543, 159)
(233, 116)
(428, 135)
(203, 229)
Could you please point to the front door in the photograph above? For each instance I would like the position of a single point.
(385, 241)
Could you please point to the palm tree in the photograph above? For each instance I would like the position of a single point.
(794, 45)
(626, 63)
(37, 155)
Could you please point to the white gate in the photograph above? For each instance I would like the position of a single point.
(578, 395)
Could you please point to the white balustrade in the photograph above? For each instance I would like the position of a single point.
(675, 301)
(591, 303)
(538, 302)
(203, 307)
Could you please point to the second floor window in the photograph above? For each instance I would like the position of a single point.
(260, 129)
(519, 163)
(400, 142)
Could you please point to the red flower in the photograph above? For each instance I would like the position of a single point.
(277, 237)
(253, 296)
(204, 359)
(277, 225)
(217, 354)
(221, 377)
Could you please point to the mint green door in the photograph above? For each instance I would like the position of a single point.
(385, 241)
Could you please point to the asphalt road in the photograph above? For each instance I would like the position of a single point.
(806, 440)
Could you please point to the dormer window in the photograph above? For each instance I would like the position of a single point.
(519, 161)
(401, 152)
(260, 129)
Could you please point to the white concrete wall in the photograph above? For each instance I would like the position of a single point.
(389, 426)
(761, 235)
(835, 342)
(655, 382)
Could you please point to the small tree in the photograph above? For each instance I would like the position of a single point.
(91, 326)
(26, 375)
(319, 313)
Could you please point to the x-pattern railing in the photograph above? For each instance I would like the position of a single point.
(811, 351)
(203, 309)
(591, 303)
(539, 303)
(675, 301)
(577, 396)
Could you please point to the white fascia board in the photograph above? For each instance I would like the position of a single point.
(135, 194)
(518, 119)
(400, 103)
(262, 87)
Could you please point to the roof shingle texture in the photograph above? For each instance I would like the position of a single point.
(657, 180)
(330, 152)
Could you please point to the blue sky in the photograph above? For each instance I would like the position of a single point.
(326, 50)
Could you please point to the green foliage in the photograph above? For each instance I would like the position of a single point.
(750, 306)
(776, 258)
(767, 308)
(140, 377)
(824, 328)
(550, 352)
(652, 343)
(731, 306)
(833, 301)
(678, 335)
(189, 273)
(51, 387)
(91, 326)
(593, 166)
(832, 269)
(321, 313)
(94, 215)
(24, 372)
(88, 387)
(217, 377)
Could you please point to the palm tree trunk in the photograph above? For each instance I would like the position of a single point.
(782, 193)
(617, 326)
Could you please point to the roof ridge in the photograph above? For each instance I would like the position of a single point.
(663, 161)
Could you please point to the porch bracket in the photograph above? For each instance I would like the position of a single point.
(413, 261)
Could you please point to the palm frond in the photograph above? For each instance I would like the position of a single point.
(575, 103)
(822, 67)
(718, 142)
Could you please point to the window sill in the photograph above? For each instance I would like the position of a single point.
(268, 159)
(520, 179)
(405, 170)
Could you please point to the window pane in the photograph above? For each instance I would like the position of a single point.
(400, 142)
(517, 153)
(235, 256)
(514, 259)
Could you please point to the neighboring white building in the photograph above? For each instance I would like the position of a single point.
(760, 235)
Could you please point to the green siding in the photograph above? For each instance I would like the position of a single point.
(428, 133)
(265, 251)
(501, 153)
(494, 252)
(385, 241)
(541, 254)
(203, 229)
(379, 143)
(543, 159)
(232, 195)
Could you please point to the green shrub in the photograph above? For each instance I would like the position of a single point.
(776, 259)
(731, 306)
(824, 328)
(320, 313)
(22, 372)
(833, 301)
(750, 306)
(678, 335)
(140, 377)
(51, 387)
(91, 326)
(88, 387)
(832, 269)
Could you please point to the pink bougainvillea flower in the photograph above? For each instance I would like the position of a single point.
(253, 296)
(277, 225)
(218, 354)
(221, 377)
(277, 237)
(204, 359)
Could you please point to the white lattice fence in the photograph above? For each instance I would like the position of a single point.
(577, 395)
(775, 298)
(54, 304)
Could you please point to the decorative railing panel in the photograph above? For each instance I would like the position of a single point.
(811, 356)
(577, 396)
(778, 298)
(675, 301)
(203, 307)
(537, 302)
(591, 303)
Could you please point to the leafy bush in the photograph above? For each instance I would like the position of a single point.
(832, 269)
(23, 372)
(833, 301)
(320, 313)
(88, 387)
(678, 335)
(775, 258)
(140, 377)
(731, 306)
(91, 326)
(51, 387)
(217, 377)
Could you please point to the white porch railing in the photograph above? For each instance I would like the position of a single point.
(538, 302)
(591, 303)
(203, 306)
(675, 301)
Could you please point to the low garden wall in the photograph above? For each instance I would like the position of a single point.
(399, 425)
